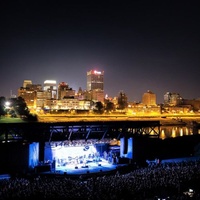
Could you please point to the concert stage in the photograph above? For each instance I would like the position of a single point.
(78, 157)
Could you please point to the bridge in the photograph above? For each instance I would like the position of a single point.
(77, 130)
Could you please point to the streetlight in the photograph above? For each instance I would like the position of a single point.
(7, 106)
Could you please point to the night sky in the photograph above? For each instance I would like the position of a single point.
(140, 45)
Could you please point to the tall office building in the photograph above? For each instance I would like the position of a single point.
(172, 99)
(27, 82)
(95, 80)
(95, 85)
(50, 85)
(122, 100)
(29, 93)
(64, 91)
(149, 98)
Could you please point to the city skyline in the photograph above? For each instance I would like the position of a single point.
(140, 45)
(55, 85)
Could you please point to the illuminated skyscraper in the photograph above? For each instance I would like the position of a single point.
(64, 91)
(149, 98)
(50, 85)
(95, 80)
(95, 84)
(27, 82)
(172, 99)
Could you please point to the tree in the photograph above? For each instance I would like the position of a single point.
(99, 107)
(19, 106)
(109, 106)
(2, 106)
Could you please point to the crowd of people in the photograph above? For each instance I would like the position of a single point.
(176, 180)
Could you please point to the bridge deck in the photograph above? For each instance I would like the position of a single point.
(68, 130)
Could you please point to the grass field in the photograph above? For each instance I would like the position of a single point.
(11, 120)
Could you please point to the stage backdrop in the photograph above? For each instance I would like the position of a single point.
(65, 154)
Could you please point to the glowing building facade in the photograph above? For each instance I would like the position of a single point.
(95, 80)
(149, 98)
(51, 85)
(64, 91)
(27, 82)
(172, 99)
(95, 84)
(29, 93)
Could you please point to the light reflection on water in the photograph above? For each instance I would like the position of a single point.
(175, 131)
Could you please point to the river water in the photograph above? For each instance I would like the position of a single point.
(177, 131)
